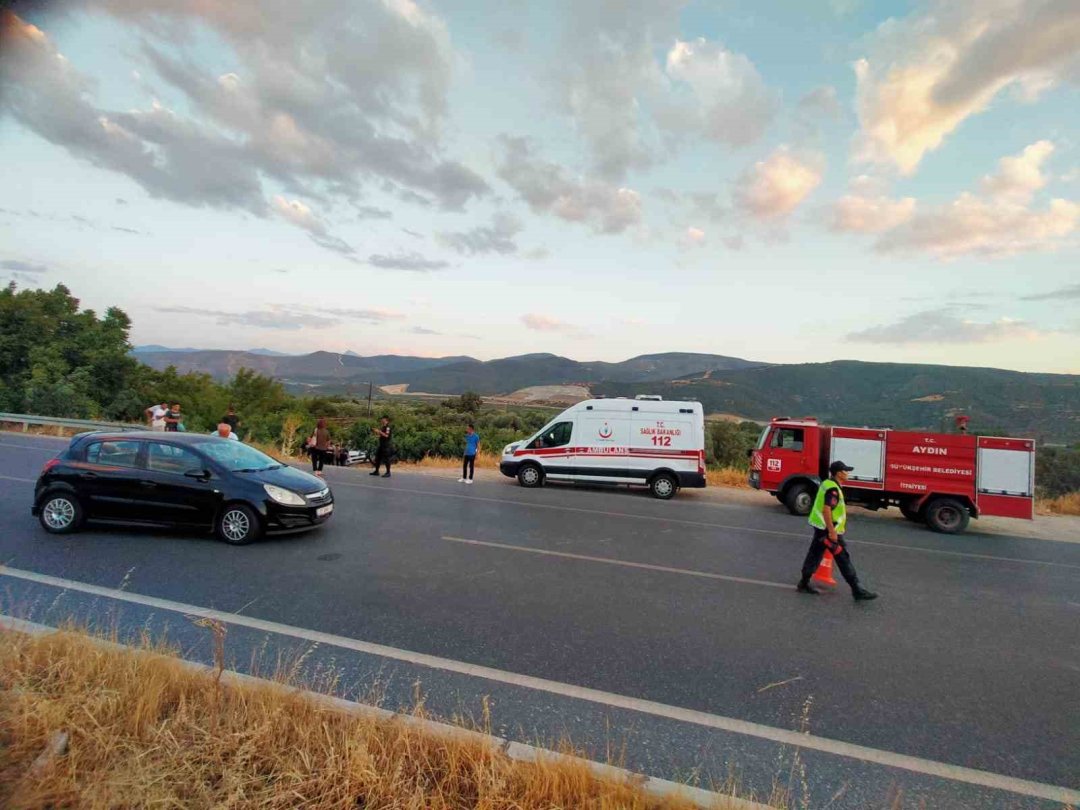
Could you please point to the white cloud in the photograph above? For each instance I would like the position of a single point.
(821, 100)
(1020, 176)
(298, 214)
(733, 104)
(867, 209)
(550, 188)
(774, 187)
(498, 237)
(695, 235)
(971, 225)
(943, 326)
(929, 72)
(546, 323)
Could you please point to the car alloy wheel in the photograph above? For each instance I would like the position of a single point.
(58, 514)
(663, 487)
(235, 525)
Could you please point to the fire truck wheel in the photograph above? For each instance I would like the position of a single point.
(663, 486)
(911, 512)
(947, 515)
(799, 499)
(530, 476)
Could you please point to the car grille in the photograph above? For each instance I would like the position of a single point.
(319, 498)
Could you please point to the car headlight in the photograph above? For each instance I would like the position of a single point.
(284, 496)
(509, 449)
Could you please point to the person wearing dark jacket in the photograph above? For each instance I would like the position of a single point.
(385, 448)
(318, 445)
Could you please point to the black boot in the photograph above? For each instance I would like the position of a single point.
(862, 595)
(804, 586)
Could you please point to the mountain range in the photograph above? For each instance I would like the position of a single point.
(903, 395)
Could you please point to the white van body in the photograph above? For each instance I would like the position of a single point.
(656, 443)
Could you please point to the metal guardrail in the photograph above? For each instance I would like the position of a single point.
(26, 420)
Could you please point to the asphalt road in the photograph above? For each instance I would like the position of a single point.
(970, 658)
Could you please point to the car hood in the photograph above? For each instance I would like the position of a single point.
(289, 478)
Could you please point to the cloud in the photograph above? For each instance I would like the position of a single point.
(867, 209)
(545, 323)
(693, 237)
(371, 212)
(1020, 176)
(421, 330)
(413, 234)
(332, 243)
(774, 187)
(822, 101)
(27, 268)
(926, 74)
(733, 106)
(942, 326)
(737, 242)
(409, 262)
(298, 214)
(498, 237)
(320, 101)
(121, 201)
(549, 188)
(286, 317)
(537, 253)
(1069, 293)
(122, 229)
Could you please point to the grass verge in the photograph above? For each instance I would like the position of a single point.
(1068, 504)
(143, 730)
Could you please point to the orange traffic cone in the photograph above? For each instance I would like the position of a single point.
(824, 573)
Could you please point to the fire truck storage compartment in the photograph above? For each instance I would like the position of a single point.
(865, 451)
(1006, 477)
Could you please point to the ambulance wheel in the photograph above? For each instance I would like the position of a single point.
(530, 476)
(947, 515)
(664, 486)
(799, 499)
(911, 512)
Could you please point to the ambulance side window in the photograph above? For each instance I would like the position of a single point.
(558, 435)
(787, 439)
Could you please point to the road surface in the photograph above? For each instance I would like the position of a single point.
(667, 635)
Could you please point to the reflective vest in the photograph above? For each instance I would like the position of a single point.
(839, 512)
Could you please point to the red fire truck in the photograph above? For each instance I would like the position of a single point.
(942, 479)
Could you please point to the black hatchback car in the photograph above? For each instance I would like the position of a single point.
(177, 479)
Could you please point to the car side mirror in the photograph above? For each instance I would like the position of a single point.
(198, 475)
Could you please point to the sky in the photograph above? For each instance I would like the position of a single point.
(777, 180)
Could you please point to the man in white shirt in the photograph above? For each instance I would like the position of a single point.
(224, 431)
(155, 415)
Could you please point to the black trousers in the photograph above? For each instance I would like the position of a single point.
(382, 456)
(817, 552)
(317, 458)
(468, 467)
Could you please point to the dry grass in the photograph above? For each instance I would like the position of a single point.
(146, 731)
(727, 477)
(1063, 505)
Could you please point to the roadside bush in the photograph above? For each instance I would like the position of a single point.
(1057, 471)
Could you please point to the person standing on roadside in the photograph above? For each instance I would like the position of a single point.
(232, 420)
(172, 418)
(318, 446)
(383, 451)
(468, 463)
(829, 519)
(155, 416)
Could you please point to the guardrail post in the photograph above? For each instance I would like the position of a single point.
(25, 427)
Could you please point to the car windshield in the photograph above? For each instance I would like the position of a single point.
(236, 456)
(763, 437)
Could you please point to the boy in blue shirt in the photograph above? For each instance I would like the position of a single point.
(468, 465)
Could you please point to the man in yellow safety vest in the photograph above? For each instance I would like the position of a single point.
(829, 519)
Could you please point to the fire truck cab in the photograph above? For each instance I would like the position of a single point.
(942, 479)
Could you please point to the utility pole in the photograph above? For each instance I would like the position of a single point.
(369, 398)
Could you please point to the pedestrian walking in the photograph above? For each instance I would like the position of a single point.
(829, 519)
(468, 462)
(155, 416)
(318, 445)
(385, 449)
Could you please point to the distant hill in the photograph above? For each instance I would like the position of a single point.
(154, 348)
(903, 395)
(511, 373)
(312, 369)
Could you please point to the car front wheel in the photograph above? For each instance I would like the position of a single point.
(530, 476)
(238, 525)
(60, 513)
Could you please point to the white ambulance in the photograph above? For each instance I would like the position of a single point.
(645, 441)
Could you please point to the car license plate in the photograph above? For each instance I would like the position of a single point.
(323, 511)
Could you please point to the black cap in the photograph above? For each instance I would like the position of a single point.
(837, 466)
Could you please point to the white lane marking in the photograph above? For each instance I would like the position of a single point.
(612, 561)
(523, 752)
(699, 524)
(16, 478)
(928, 767)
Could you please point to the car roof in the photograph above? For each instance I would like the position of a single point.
(156, 435)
